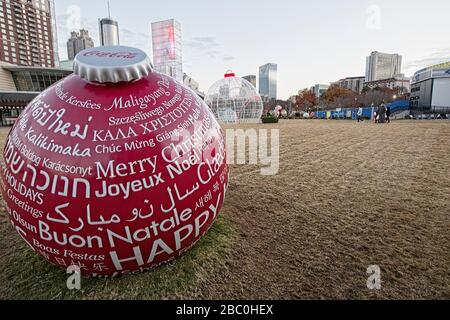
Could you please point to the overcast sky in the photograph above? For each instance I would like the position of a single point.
(311, 41)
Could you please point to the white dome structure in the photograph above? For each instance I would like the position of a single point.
(234, 100)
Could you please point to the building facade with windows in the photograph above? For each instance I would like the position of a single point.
(19, 85)
(66, 65)
(355, 84)
(268, 81)
(430, 90)
(167, 48)
(381, 66)
(28, 33)
(403, 84)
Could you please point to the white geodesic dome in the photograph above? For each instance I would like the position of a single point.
(234, 100)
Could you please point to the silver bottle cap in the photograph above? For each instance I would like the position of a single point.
(112, 64)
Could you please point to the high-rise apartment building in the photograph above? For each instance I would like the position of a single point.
(167, 48)
(78, 42)
(268, 81)
(381, 66)
(28, 33)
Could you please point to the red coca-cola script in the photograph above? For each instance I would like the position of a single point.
(106, 54)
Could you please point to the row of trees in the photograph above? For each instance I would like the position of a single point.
(337, 97)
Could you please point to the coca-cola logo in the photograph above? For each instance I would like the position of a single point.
(106, 54)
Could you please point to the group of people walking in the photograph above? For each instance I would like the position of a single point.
(382, 114)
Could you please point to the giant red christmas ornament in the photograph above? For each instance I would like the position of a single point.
(116, 168)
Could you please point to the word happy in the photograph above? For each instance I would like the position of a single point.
(159, 246)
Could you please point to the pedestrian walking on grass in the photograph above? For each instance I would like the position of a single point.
(376, 114)
(388, 114)
(359, 114)
(382, 112)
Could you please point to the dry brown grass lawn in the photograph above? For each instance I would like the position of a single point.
(347, 196)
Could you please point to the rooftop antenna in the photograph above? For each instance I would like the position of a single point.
(109, 10)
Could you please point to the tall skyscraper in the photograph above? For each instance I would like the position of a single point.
(28, 33)
(251, 78)
(167, 48)
(381, 66)
(108, 32)
(78, 42)
(268, 81)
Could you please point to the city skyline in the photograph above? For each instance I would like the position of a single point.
(231, 41)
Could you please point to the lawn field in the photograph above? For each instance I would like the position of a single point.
(347, 196)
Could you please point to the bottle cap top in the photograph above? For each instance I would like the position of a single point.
(112, 64)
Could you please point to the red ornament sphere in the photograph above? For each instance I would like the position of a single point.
(116, 175)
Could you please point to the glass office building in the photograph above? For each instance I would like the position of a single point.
(167, 48)
(268, 81)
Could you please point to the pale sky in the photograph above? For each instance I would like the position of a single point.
(311, 41)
